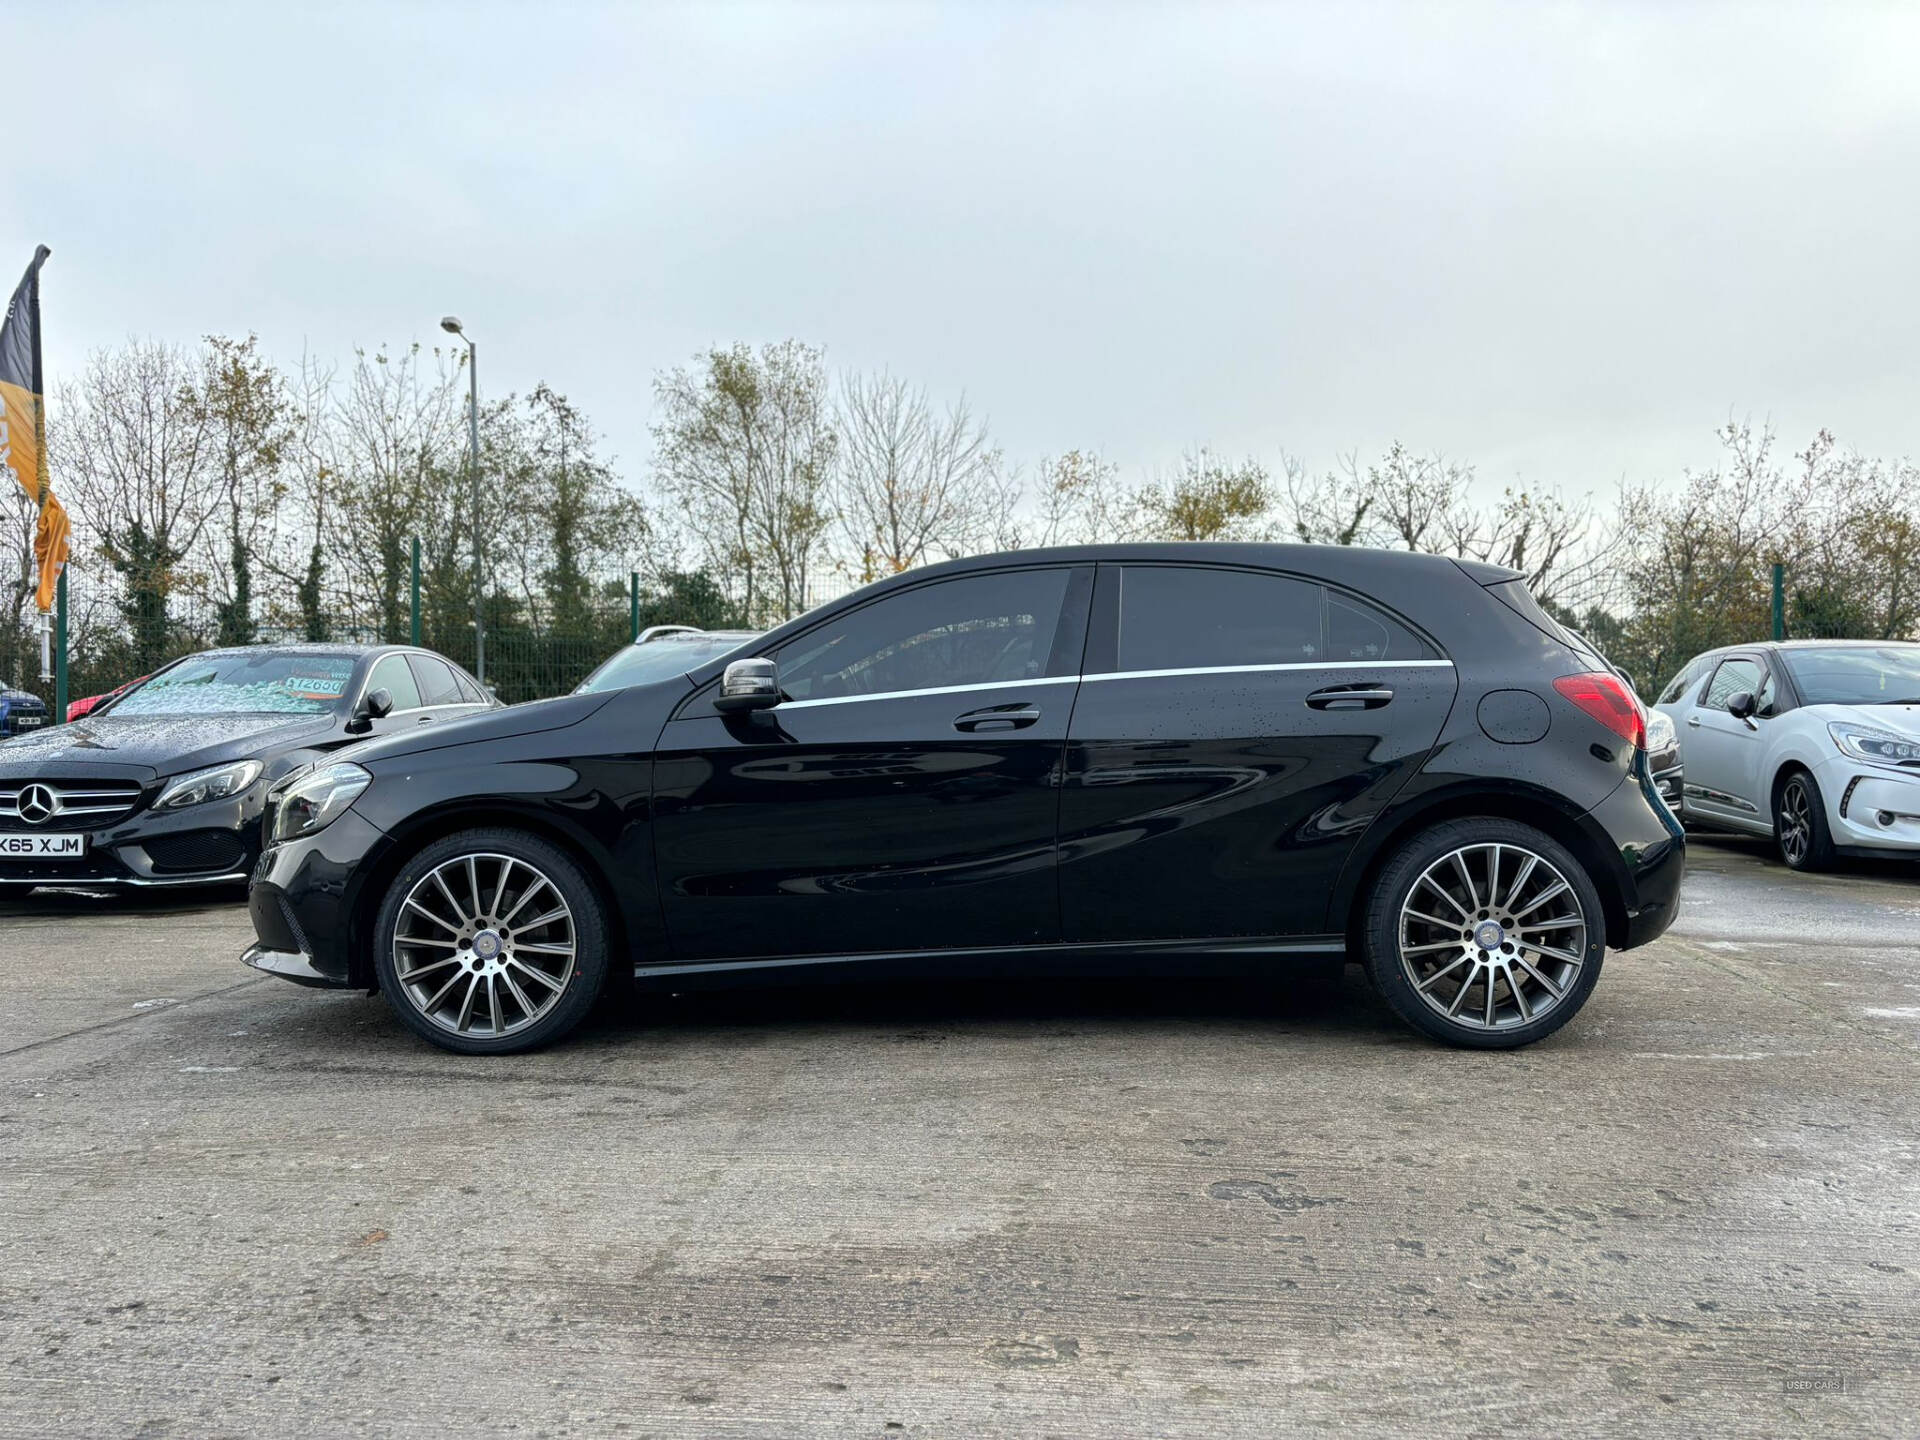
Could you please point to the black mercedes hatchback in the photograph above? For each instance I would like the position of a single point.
(1174, 758)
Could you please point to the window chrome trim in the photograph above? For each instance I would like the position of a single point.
(931, 690)
(1122, 675)
(1262, 669)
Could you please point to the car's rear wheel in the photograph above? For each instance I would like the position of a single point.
(1800, 824)
(1485, 933)
(491, 942)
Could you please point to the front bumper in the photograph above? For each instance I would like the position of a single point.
(302, 902)
(1870, 807)
(288, 965)
(210, 844)
(1670, 783)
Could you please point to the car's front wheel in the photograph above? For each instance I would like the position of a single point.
(1800, 824)
(1484, 933)
(490, 942)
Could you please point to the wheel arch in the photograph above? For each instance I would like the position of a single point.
(1784, 768)
(440, 822)
(1524, 805)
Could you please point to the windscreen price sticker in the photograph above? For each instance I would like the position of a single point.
(42, 847)
(317, 685)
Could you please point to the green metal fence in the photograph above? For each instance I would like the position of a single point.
(538, 641)
(533, 649)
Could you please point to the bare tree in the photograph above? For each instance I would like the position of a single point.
(1418, 498)
(914, 484)
(1557, 543)
(1332, 509)
(397, 441)
(1078, 500)
(137, 453)
(313, 472)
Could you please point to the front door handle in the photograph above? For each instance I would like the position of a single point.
(1694, 721)
(1349, 697)
(997, 717)
(424, 720)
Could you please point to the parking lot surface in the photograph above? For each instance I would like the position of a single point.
(233, 1207)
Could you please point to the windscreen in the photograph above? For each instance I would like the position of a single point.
(657, 660)
(1856, 674)
(270, 683)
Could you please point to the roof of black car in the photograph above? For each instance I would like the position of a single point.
(1245, 551)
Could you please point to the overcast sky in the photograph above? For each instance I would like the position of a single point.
(1563, 242)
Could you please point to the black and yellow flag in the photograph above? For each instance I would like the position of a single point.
(22, 433)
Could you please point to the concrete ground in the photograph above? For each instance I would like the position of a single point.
(232, 1207)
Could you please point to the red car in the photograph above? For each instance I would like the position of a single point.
(77, 708)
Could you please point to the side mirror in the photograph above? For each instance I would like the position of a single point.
(377, 705)
(1741, 705)
(748, 685)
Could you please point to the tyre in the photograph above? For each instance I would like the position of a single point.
(1800, 823)
(491, 942)
(1484, 933)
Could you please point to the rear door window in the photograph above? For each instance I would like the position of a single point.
(1175, 617)
(1682, 683)
(437, 685)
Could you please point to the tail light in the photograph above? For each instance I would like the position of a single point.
(1607, 699)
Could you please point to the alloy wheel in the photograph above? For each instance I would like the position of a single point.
(484, 945)
(1796, 822)
(1492, 936)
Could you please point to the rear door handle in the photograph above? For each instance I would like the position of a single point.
(1349, 697)
(997, 717)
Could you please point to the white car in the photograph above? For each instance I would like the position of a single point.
(1814, 742)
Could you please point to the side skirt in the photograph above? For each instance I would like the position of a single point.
(1184, 958)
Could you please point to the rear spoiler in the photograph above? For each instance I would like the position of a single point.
(1484, 574)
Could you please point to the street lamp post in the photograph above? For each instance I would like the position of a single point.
(451, 324)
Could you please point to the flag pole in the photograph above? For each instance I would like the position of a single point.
(40, 464)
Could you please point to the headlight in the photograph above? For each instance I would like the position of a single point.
(219, 783)
(318, 798)
(1876, 747)
(1660, 731)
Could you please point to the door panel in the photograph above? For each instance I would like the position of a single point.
(1721, 754)
(905, 823)
(1225, 805)
(905, 794)
(1236, 734)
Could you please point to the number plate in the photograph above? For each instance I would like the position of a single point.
(28, 722)
(42, 847)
